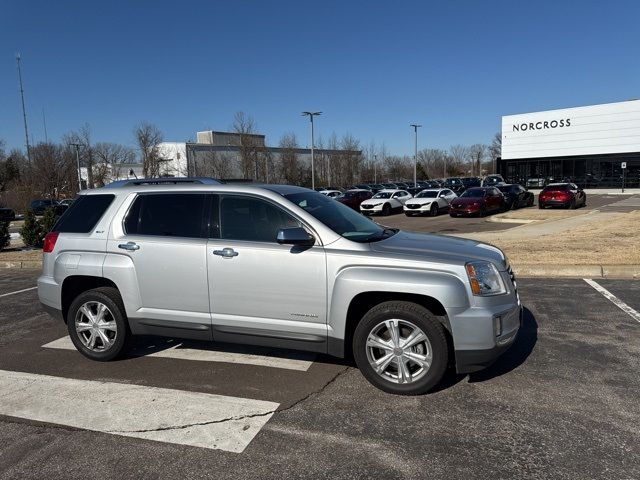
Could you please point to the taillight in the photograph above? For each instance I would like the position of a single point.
(50, 242)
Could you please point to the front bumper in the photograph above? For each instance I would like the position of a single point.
(421, 210)
(470, 360)
(454, 212)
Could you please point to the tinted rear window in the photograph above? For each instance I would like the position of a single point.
(83, 214)
(555, 188)
(167, 214)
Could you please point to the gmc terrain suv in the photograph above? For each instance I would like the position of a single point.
(279, 266)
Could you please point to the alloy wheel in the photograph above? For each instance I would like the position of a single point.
(399, 351)
(96, 326)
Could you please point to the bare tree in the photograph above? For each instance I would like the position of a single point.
(108, 158)
(477, 154)
(434, 162)
(290, 167)
(495, 150)
(244, 125)
(148, 136)
(458, 159)
(82, 137)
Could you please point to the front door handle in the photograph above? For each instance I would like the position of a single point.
(131, 246)
(226, 253)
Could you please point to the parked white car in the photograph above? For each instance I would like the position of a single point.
(385, 202)
(331, 193)
(430, 201)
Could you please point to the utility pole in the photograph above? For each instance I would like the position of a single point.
(78, 145)
(375, 168)
(24, 112)
(415, 154)
(44, 122)
(313, 173)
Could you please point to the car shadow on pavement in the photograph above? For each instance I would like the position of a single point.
(516, 355)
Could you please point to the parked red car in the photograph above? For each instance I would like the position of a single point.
(567, 195)
(477, 201)
(353, 198)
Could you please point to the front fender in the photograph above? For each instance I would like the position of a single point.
(445, 287)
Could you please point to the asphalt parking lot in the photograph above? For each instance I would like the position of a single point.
(445, 224)
(562, 403)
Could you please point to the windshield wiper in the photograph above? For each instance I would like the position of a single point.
(385, 233)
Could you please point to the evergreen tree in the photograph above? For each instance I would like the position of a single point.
(5, 238)
(49, 219)
(31, 231)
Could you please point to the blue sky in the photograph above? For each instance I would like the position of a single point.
(372, 67)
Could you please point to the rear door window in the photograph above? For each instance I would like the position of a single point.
(83, 214)
(167, 215)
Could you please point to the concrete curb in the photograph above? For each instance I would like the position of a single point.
(499, 219)
(578, 271)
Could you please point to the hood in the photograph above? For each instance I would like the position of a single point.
(374, 201)
(466, 201)
(420, 201)
(436, 248)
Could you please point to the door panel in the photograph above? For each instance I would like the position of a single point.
(263, 285)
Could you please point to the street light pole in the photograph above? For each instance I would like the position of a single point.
(415, 155)
(313, 173)
(375, 169)
(78, 145)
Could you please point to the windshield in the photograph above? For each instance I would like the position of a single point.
(453, 181)
(506, 188)
(427, 194)
(383, 195)
(473, 193)
(340, 218)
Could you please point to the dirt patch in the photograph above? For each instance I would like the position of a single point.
(614, 242)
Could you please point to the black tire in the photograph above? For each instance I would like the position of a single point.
(572, 204)
(530, 202)
(483, 212)
(540, 206)
(434, 210)
(110, 297)
(386, 210)
(420, 317)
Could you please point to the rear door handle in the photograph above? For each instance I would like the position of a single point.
(226, 253)
(130, 246)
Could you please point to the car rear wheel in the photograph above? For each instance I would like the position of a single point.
(572, 204)
(401, 348)
(97, 324)
(540, 206)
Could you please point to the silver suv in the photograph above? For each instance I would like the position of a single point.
(279, 266)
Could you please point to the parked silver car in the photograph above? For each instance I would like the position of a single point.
(275, 265)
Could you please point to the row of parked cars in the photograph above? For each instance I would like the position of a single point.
(479, 200)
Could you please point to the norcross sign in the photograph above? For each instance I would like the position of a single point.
(523, 127)
(597, 129)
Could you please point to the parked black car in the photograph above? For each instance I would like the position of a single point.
(42, 205)
(455, 184)
(7, 215)
(515, 196)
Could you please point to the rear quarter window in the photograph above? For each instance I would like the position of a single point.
(83, 214)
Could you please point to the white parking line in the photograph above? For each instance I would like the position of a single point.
(206, 355)
(17, 291)
(615, 300)
(160, 414)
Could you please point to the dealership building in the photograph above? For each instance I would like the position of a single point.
(589, 145)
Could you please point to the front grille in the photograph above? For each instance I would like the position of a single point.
(366, 207)
(413, 206)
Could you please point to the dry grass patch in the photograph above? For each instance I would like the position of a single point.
(540, 215)
(20, 255)
(614, 242)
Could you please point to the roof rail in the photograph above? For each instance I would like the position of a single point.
(162, 181)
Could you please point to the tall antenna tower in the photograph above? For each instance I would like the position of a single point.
(24, 112)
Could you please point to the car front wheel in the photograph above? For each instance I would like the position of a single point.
(401, 348)
(97, 324)
(386, 209)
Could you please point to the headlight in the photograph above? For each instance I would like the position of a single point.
(485, 279)
(375, 204)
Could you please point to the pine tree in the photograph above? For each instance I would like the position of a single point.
(5, 238)
(49, 219)
(31, 231)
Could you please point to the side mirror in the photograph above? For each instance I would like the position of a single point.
(295, 236)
